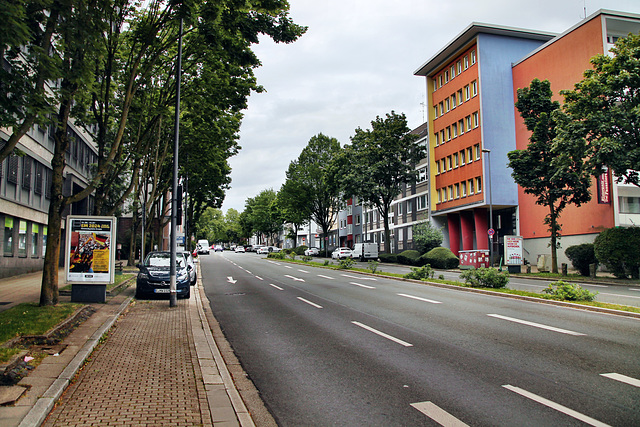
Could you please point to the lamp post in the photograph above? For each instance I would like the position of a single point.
(486, 150)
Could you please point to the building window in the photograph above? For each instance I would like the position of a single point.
(446, 76)
(478, 185)
(422, 202)
(470, 186)
(476, 120)
(461, 126)
(422, 175)
(26, 173)
(454, 128)
(35, 237)
(459, 67)
(462, 158)
(37, 189)
(466, 93)
(453, 101)
(456, 160)
(629, 205)
(452, 70)
(440, 81)
(439, 196)
(22, 239)
(465, 60)
(457, 187)
(447, 105)
(435, 112)
(449, 163)
(468, 122)
(358, 219)
(441, 108)
(474, 88)
(463, 184)
(8, 236)
(444, 195)
(12, 170)
(399, 208)
(436, 139)
(409, 206)
(451, 192)
(448, 133)
(444, 165)
(473, 57)
(477, 150)
(460, 99)
(470, 154)
(442, 139)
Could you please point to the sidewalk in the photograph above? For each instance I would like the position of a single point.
(159, 366)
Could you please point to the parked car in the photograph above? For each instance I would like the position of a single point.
(203, 246)
(341, 253)
(255, 248)
(364, 251)
(218, 248)
(240, 249)
(312, 252)
(263, 250)
(274, 249)
(154, 275)
(191, 262)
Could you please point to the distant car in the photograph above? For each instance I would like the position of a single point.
(154, 275)
(193, 275)
(263, 250)
(274, 249)
(341, 253)
(312, 252)
(218, 248)
(255, 248)
(203, 246)
(240, 249)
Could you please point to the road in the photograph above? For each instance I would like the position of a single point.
(325, 347)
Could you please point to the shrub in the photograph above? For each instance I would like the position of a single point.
(427, 237)
(581, 256)
(306, 258)
(617, 248)
(372, 266)
(440, 258)
(485, 278)
(300, 250)
(276, 255)
(409, 257)
(420, 273)
(292, 255)
(345, 264)
(390, 258)
(327, 263)
(569, 292)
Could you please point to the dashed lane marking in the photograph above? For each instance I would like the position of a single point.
(361, 285)
(313, 304)
(421, 299)
(623, 379)
(438, 414)
(536, 325)
(382, 334)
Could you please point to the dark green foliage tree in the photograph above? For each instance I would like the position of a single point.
(264, 216)
(617, 249)
(555, 179)
(581, 257)
(378, 162)
(440, 258)
(426, 236)
(603, 114)
(294, 203)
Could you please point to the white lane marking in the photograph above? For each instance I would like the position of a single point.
(421, 299)
(287, 266)
(382, 334)
(362, 286)
(595, 286)
(618, 295)
(358, 277)
(631, 289)
(309, 302)
(536, 325)
(297, 279)
(553, 405)
(438, 414)
(303, 271)
(248, 272)
(230, 280)
(277, 287)
(326, 277)
(273, 262)
(623, 379)
(259, 278)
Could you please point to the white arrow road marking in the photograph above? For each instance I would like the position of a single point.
(438, 414)
(259, 278)
(297, 279)
(326, 277)
(536, 325)
(230, 280)
(358, 277)
(277, 287)
(382, 334)
(420, 299)
(361, 285)
(553, 405)
(309, 302)
(623, 379)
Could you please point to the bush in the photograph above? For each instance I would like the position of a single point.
(420, 273)
(617, 249)
(276, 255)
(300, 250)
(569, 292)
(372, 265)
(426, 237)
(409, 257)
(390, 258)
(581, 256)
(306, 258)
(485, 278)
(345, 264)
(440, 258)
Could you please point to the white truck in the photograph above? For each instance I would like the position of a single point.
(364, 251)
(203, 246)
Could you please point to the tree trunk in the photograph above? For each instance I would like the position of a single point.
(553, 219)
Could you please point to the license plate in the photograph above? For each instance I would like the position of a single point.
(161, 291)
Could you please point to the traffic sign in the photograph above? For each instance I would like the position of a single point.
(491, 232)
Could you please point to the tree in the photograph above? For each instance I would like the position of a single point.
(312, 178)
(555, 178)
(294, 203)
(426, 236)
(379, 162)
(603, 113)
(263, 215)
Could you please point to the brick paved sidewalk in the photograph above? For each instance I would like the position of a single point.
(145, 374)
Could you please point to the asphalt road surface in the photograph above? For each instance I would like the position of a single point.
(325, 347)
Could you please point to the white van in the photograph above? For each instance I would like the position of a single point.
(203, 246)
(364, 251)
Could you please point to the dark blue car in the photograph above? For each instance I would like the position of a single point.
(154, 276)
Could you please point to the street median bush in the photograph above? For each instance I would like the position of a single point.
(409, 257)
(485, 278)
(440, 258)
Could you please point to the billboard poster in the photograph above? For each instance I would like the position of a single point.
(90, 249)
(513, 250)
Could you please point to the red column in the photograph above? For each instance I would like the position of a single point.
(467, 228)
(480, 216)
(453, 223)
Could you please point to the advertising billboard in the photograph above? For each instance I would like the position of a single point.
(90, 249)
(513, 250)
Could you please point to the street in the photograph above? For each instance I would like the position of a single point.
(325, 347)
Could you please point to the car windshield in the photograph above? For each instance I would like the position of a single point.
(164, 260)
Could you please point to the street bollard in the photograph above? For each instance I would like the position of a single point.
(592, 270)
(564, 269)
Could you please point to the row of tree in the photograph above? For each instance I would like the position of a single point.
(109, 66)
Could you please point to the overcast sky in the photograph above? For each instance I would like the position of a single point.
(356, 62)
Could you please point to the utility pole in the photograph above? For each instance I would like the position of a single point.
(491, 230)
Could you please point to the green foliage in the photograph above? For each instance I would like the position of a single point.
(440, 257)
(388, 258)
(306, 258)
(581, 257)
(554, 178)
(292, 256)
(427, 237)
(485, 278)
(327, 263)
(372, 265)
(569, 292)
(617, 249)
(277, 255)
(420, 273)
(345, 264)
(409, 257)
(31, 319)
(263, 215)
(300, 249)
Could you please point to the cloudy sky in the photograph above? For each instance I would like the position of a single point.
(356, 62)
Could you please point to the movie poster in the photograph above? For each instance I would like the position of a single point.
(90, 249)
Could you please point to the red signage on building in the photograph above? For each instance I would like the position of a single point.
(604, 189)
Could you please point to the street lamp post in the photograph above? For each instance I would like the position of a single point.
(486, 150)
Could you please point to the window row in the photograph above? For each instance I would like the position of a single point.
(29, 173)
(461, 96)
(470, 122)
(22, 238)
(460, 190)
(454, 70)
(458, 159)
